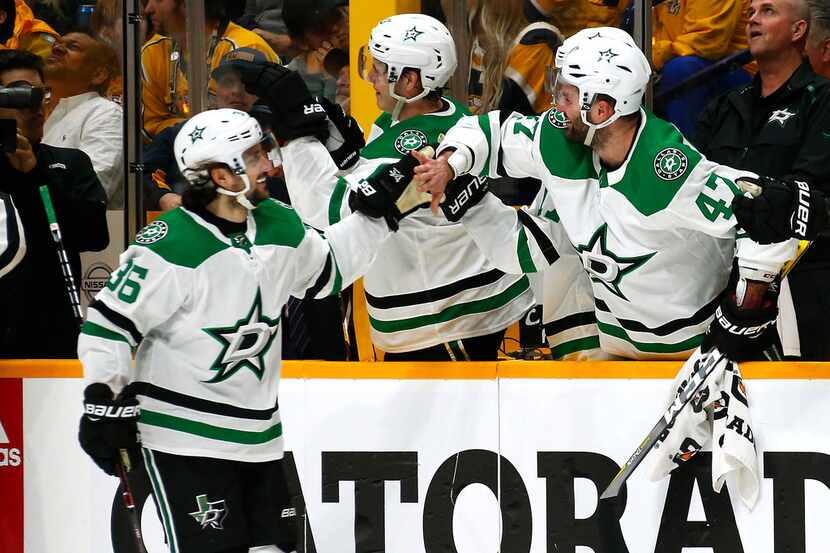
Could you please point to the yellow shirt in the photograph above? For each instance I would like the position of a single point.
(165, 90)
(711, 29)
(30, 34)
(571, 16)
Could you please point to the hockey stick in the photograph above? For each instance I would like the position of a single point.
(704, 367)
(125, 465)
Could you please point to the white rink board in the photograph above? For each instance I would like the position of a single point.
(67, 499)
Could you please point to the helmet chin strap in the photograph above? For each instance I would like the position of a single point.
(402, 100)
(593, 127)
(240, 196)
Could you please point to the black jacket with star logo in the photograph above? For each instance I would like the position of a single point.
(785, 134)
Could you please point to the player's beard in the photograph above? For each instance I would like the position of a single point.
(576, 131)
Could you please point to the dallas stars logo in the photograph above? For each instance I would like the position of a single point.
(409, 140)
(245, 344)
(210, 513)
(196, 134)
(780, 116)
(412, 34)
(670, 163)
(557, 119)
(606, 268)
(607, 55)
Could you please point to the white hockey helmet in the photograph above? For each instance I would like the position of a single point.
(221, 136)
(411, 40)
(591, 33)
(602, 64)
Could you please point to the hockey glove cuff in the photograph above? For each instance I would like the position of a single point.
(107, 426)
(345, 136)
(389, 193)
(461, 194)
(743, 334)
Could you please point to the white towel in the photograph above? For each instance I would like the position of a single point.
(720, 411)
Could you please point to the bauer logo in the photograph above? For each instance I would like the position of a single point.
(409, 140)
(95, 279)
(670, 164)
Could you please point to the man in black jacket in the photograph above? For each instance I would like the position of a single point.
(779, 126)
(36, 316)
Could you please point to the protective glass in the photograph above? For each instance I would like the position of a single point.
(365, 63)
(262, 156)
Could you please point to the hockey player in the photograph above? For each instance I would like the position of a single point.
(431, 294)
(199, 294)
(647, 213)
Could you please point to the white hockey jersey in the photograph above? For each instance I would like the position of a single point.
(430, 283)
(656, 235)
(12, 238)
(204, 311)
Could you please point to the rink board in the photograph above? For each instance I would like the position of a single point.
(403, 458)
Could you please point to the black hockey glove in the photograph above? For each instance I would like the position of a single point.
(461, 194)
(784, 209)
(744, 334)
(295, 112)
(107, 426)
(345, 136)
(389, 193)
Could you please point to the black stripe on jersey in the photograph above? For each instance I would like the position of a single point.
(13, 243)
(672, 326)
(117, 319)
(325, 276)
(571, 321)
(203, 405)
(547, 247)
(434, 294)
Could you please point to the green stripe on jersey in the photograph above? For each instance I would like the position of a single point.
(523, 253)
(650, 347)
(277, 224)
(179, 239)
(454, 311)
(484, 123)
(205, 430)
(563, 158)
(581, 344)
(337, 200)
(92, 329)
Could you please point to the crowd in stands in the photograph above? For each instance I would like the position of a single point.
(744, 80)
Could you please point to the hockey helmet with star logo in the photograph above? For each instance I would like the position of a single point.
(413, 41)
(224, 137)
(604, 63)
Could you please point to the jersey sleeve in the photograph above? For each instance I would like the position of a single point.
(704, 203)
(495, 149)
(514, 241)
(329, 261)
(317, 193)
(144, 292)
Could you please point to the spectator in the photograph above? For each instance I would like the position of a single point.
(316, 30)
(79, 72)
(36, 316)
(511, 76)
(818, 41)
(30, 34)
(264, 17)
(337, 66)
(105, 25)
(778, 126)
(12, 237)
(689, 35)
(165, 89)
(570, 16)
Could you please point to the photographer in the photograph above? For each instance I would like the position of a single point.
(36, 316)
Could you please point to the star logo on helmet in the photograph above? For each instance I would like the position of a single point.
(196, 134)
(607, 55)
(412, 34)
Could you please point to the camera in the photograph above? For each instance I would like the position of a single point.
(21, 97)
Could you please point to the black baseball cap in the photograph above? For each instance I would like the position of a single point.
(247, 54)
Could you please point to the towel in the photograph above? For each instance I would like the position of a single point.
(720, 411)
